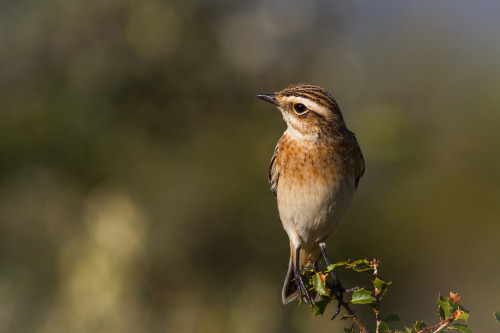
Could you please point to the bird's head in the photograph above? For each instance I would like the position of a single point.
(308, 110)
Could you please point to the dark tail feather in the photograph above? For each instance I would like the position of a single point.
(290, 291)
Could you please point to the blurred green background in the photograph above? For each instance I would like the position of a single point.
(134, 158)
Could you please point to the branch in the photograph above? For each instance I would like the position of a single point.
(378, 316)
(440, 326)
(449, 309)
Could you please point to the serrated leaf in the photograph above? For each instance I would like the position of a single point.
(364, 262)
(419, 325)
(383, 327)
(453, 305)
(461, 328)
(362, 296)
(320, 306)
(464, 316)
(362, 266)
(349, 330)
(307, 277)
(450, 303)
(442, 315)
(497, 316)
(381, 286)
(340, 264)
(444, 307)
(319, 284)
(392, 317)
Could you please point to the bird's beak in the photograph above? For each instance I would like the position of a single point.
(270, 98)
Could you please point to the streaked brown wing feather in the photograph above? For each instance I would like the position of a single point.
(274, 172)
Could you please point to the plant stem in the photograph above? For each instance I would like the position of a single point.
(378, 317)
(440, 326)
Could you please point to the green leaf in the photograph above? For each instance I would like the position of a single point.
(461, 328)
(320, 306)
(362, 296)
(497, 316)
(306, 275)
(392, 317)
(350, 329)
(442, 315)
(453, 305)
(381, 286)
(319, 285)
(419, 325)
(464, 316)
(445, 310)
(362, 266)
(345, 317)
(383, 327)
(337, 265)
(358, 266)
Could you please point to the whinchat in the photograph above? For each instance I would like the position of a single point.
(314, 172)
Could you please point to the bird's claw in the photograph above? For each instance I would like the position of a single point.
(337, 286)
(302, 287)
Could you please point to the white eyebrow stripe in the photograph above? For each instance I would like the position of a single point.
(319, 109)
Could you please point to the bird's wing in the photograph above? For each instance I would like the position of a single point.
(360, 166)
(274, 171)
(359, 161)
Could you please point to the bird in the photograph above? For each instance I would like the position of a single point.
(314, 172)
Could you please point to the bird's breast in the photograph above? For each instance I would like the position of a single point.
(315, 189)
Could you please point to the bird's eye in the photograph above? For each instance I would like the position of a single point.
(299, 108)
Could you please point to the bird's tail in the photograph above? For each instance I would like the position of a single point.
(290, 291)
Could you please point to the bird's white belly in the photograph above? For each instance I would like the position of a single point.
(310, 212)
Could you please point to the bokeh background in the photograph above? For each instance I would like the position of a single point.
(134, 158)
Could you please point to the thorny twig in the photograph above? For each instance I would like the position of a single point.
(378, 316)
(440, 326)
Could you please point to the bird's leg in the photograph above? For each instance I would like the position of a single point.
(322, 246)
(336, 281)
(298, 277)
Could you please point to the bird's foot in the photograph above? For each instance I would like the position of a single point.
(302, 287)
(341, 290)
(336, 286)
